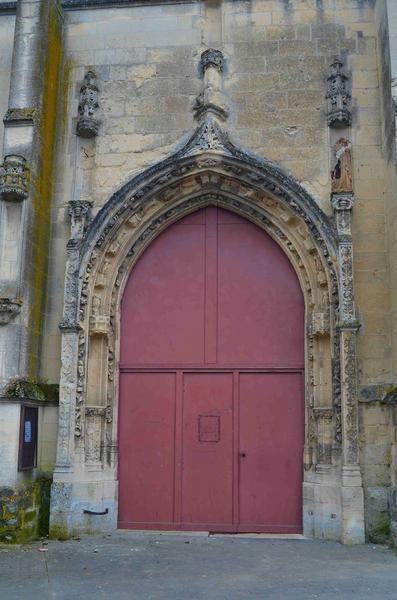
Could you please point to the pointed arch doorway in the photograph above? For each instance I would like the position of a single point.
(211, 415)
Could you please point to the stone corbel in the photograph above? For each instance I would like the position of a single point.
(9, 309)
(212, 99)
(99, 325)
(14, 178)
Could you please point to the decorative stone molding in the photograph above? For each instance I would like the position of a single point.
(20, 115)
(79, 212)
(88, 123)
(324, 419)
(9, 309)
(212, 99)
(338, 96)
(14, 178)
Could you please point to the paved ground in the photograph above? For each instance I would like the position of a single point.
(135, 566)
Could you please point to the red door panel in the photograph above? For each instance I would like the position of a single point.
(260, 300)
(207, 460)
(147, 441)
(211, 313)
(162, 316)
(271, 438)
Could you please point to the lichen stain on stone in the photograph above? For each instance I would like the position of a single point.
(43, 184)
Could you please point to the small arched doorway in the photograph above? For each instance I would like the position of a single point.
(211, 415)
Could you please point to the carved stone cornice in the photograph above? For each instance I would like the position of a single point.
(338, 96)
(88, 123)
(9, 309)
(14, 178)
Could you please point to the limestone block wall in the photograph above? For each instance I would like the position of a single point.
(7, 25)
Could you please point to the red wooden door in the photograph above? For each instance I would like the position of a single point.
(211, 389)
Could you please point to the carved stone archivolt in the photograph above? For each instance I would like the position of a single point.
(208, 170)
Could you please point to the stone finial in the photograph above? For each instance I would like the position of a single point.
(342, 173)
(14, 178)
(9, 309)
(212, 58)
(88, 124)
(338, 96)
(212, 99)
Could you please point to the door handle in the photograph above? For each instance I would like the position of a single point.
(242, 455)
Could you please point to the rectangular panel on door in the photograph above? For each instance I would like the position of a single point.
(271, 438)
(207, 446)
(146, 461)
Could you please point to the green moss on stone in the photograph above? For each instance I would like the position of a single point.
(24, 512)
(380, 534)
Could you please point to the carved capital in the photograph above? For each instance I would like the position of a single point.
(212, 58)
(338, 96)
(88, 124)
(14, 178)
(9, 309)
(342, 201)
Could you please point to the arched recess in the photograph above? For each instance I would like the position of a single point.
(208, 170)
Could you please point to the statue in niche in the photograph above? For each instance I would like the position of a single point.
(342, 173)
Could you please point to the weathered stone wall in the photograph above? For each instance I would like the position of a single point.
(7, 24)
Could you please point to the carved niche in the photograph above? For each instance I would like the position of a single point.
(14, 178)
(338, 96)
(88, 123)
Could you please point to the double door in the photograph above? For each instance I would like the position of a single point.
(211, 387)
(217, 451)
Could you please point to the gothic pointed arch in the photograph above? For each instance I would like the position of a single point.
(207, 170)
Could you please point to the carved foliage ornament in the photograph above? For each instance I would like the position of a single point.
(88, 123)
(338, 96)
